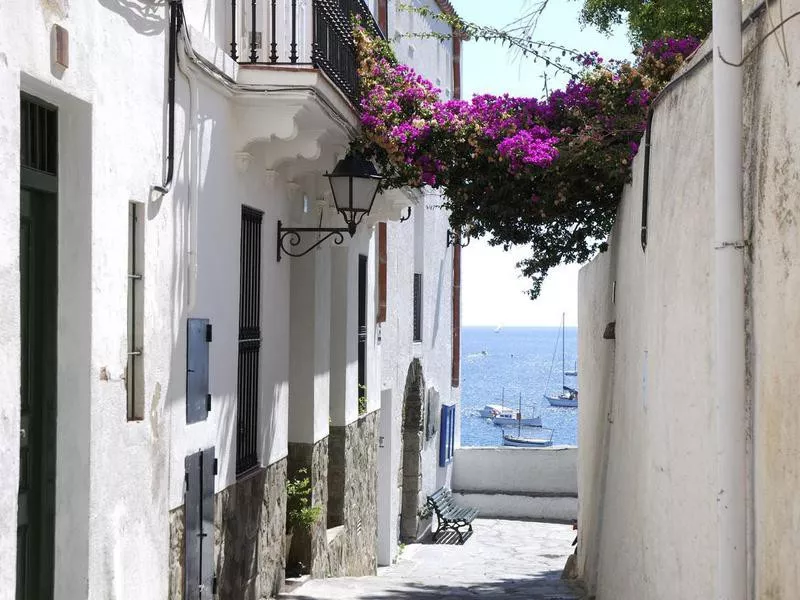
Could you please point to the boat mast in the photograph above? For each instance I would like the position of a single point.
(519, 417)
(563, 364)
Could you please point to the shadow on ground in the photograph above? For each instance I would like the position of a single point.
(449, 538)
(546, 586)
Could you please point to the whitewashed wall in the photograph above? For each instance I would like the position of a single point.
(111, 475)
(418, 244)
(647, 422)
(517, 470)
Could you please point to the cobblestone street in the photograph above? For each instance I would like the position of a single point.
(502, 559)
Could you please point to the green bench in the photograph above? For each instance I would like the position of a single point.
(450, 515)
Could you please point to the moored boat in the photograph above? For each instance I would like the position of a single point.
(514, 418)
(492, 410)
(520, 441)
(566, 399)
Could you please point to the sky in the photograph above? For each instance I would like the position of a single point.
(493, 291)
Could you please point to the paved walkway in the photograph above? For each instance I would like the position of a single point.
(503, 559)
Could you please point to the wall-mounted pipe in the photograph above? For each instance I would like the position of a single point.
(730, 303)
(193, 183)
(175, 22)
(697, 62)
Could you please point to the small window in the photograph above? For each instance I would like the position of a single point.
(134, 377)
(417, 307)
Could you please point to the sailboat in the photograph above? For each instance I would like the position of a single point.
(492, 410)
(509, 417)
(573, 372)
(528, 442)
(568, 398)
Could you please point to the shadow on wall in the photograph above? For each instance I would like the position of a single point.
(147, 17)
(547, 585)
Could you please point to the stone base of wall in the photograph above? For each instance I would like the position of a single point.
(249, 537)
(353, 552)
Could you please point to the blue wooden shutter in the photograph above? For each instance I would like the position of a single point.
(446, 434)
(207, 571)
(199, 571)
(198, 400)
(451, 429)
(192, 527)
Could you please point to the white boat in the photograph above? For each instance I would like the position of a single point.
(514, 417)
(506, 419)
(568, 398)
(540, 441)
(492, 410)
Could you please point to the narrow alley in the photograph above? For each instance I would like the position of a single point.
(502, 559)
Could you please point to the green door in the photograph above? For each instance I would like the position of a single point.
(38, 289)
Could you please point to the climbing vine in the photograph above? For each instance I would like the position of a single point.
(547, 173)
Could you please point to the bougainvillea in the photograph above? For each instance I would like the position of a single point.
(547, 173)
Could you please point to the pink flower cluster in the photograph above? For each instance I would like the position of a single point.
(670, 49)
(427, 140)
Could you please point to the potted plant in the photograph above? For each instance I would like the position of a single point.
(300, 513)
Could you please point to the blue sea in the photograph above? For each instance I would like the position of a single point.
(510, 362)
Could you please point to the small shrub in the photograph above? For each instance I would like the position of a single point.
(362, 399)
(299, 511)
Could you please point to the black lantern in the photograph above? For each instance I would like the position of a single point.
(354, 183)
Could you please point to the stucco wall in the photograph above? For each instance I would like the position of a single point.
(102, 97)
(647, 423)
(417, 245)
(516, 470)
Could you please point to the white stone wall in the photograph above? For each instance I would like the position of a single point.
(516, 470)
(418, 245)
(117, 480)
(111, 476)
(647, 475)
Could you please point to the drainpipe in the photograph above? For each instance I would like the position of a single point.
(193, 184)
(175, 8)
(729, 296)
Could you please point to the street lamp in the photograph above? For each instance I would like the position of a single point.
(354, 183)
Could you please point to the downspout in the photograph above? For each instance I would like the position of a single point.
(175, 8)
(730, 302)
(194, 175)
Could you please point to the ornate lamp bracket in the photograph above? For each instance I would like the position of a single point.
(292, 237)
(455, 239)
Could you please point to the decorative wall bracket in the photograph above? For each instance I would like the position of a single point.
(408, 215)
(292, 236)
(454, 238)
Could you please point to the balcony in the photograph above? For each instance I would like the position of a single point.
(300, 34)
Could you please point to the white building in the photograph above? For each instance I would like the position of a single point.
(172, 369)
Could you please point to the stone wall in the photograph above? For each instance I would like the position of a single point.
(413, 444)
(310, 547)
(353, 552)
(249, 537)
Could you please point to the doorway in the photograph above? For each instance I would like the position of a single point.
(38, 256)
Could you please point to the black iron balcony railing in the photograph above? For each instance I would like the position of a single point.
(313, 33)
